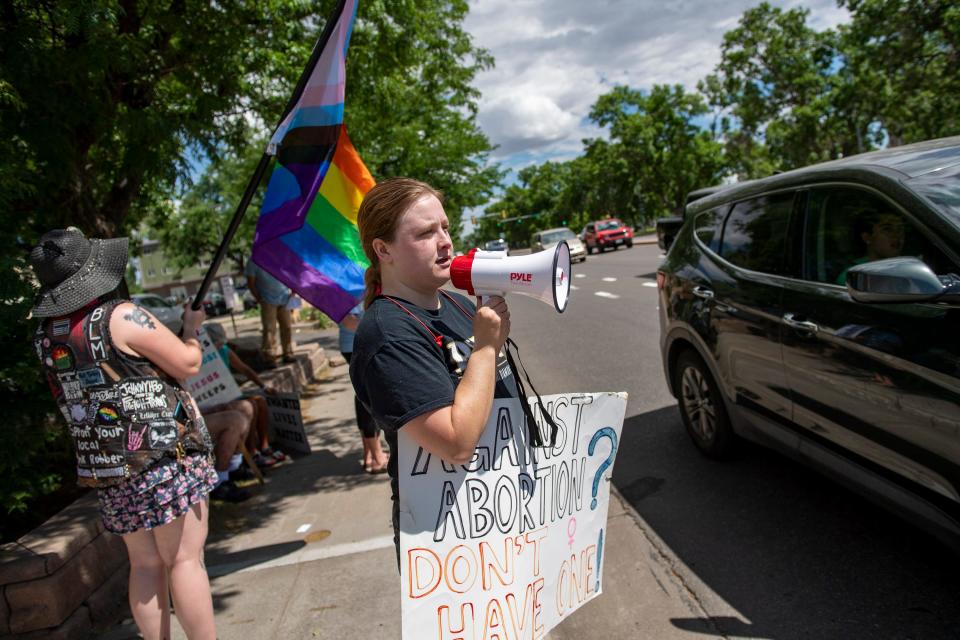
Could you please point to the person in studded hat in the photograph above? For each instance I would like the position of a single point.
(114, 372)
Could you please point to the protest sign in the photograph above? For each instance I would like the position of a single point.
(286, 421)
(214, 384)
(509, 544)
(230, 296)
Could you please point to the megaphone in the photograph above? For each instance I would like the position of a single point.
(544, 275)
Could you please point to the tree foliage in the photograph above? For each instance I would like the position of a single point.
(656, 154)
(410, 111)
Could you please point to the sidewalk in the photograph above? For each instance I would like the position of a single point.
(311, 554)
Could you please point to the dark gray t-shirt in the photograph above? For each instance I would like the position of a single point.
(400, 372)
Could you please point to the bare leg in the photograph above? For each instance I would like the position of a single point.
(268, 323)
(261, 422)
(181, 545)
(227, 428)
(148, 594)
(286, 333)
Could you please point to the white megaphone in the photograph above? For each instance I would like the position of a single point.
(544, 275)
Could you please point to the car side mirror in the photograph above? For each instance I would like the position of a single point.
(904, 279)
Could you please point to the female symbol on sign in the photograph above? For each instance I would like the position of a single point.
(571, 529)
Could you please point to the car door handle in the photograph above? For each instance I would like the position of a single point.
(790, 320)
(703, 292)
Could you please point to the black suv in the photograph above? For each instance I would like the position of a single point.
(818, 312)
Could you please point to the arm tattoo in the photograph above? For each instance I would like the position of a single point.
(140, 317)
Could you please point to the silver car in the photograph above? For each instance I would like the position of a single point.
(550, 237)
(170, 315)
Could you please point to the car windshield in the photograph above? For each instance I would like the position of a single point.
(552, 237)
(607, 225)
(942, 188)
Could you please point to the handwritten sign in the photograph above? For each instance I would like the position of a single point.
(286, 421)
(214, 384)
(509, 544)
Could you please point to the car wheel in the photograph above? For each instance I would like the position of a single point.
(701, 407)
(629, 244)
(589, 250)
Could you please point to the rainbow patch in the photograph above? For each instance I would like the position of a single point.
(62, 357)
(107, 414)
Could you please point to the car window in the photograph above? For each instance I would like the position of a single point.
(609, 224)
(590, 228)
(557, 236)
(707, 226)
(942, 188)
(845, 226)
(754, 235)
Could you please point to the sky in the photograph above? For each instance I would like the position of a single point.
(554, 58)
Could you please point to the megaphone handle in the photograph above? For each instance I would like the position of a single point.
(482, 298)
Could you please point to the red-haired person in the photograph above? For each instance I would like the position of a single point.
(424, 360)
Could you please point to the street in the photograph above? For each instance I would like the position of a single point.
(767, 547)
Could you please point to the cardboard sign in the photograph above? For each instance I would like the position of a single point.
(214, 384)
(509, 544)
(286, 421)
(230, 296)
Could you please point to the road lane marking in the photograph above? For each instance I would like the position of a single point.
(606, 294)
(307, 553)
(649, 284)
(579, 275)
(609, 279)
(574, 287)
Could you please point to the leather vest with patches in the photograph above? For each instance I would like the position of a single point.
(122, 412)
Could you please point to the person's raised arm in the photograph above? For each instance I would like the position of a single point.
(244, 369)
(136, 332)
(453, 432)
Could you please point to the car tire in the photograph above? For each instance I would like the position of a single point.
(589, 250)
(702, 408)
(629, 244)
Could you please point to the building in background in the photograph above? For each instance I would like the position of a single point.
(160, 277)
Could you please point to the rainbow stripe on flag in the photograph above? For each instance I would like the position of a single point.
(307, 233)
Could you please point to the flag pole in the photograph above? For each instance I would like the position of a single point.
(265, 159)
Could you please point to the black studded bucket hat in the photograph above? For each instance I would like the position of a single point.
(74, 270)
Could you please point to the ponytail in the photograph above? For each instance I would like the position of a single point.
(371, 278)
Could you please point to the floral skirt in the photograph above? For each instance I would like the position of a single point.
(158, 496)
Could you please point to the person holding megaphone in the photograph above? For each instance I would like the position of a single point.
(425, 360)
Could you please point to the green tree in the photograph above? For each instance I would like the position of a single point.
(657, 152)
(194, 228)
(410, 111)
(901, 58)
(773, 87)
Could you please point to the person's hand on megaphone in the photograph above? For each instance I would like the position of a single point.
(491, 324)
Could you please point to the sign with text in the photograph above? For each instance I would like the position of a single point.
(230, 296)
(509, 544)
(286, 421)
(214, 384)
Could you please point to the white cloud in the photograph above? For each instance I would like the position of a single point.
(553, 59)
